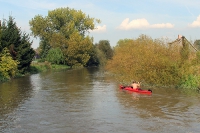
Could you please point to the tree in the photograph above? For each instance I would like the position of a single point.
(94, 60)
(25, 53)
(18, 43)
(60, 29)
(55, 56)
(44, 47)
(78, 52)
(11, 36)
(1, 29)
(101, 57)
(104, 46)
(101, 52)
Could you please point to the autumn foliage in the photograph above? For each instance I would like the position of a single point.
(151, 61)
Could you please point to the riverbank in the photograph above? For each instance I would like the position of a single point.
(38, 67)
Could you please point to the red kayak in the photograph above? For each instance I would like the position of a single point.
(129, 88)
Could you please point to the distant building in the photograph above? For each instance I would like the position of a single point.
(178, 41)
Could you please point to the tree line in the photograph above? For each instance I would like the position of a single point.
(64, 39)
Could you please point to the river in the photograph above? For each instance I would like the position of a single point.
(87, 100)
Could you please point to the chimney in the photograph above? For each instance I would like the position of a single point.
(179, 36)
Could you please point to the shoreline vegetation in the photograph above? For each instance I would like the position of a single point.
(64, 43)
(157, 62)
(37, 67)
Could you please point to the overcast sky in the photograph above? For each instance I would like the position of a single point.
(120, 19)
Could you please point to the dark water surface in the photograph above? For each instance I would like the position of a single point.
(87, 101)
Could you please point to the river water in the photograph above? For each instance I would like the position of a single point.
(87, 100)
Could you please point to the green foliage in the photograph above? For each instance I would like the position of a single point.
(18, 43)
(44, 47)
(11, 36)
(156, 63)
(8, 66)
(55, 66)
(195, 61)
(198, 57)
(101, 57)
(65, 28)
(197, 44)
(34, 69)
(55, 56)
(101, 52)
(40, 67)
(25, 53)
(190, 82)
(145, 59)
(37, 67)
(185, 51)
(104, 46)
(62, 21)
(78, 50)
(0, 36)
(94, 60)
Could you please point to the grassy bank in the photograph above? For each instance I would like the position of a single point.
(37, 67)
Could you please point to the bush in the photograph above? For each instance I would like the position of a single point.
(34, 70)
(55, 56)
(190, 82)
(154, 62)
(44, 66)
(145, 59)
(8, 66)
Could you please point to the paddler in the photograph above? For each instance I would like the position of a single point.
(135, 85)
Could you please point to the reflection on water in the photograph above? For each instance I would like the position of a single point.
(87, 100)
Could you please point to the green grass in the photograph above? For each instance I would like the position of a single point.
(37, 67)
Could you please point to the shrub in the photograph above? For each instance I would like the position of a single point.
(55, 56)
(154, 62)
(8, 66)
(190, 83)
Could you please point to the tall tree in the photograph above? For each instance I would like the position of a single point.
(94, 60)
(18, 43)
(78, 52)
(11, 36)
(60, 29)
(104, 46)
(25, 53)
(44, 47)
